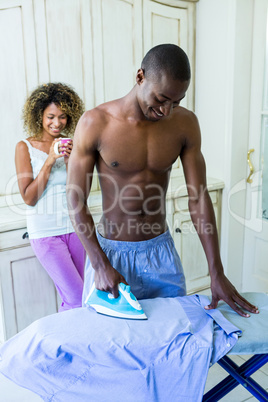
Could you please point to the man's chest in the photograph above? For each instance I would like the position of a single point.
(137, 150)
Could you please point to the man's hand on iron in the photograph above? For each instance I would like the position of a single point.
(222, 289)
(108, 279)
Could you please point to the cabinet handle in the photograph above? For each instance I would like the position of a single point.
(251, 168)
(177, 230)
(25, 235)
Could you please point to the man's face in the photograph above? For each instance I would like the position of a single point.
(159, 96)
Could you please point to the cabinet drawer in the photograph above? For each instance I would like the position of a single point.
(181, 203)
(13, 239)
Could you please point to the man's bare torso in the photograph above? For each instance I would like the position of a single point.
(134, 160)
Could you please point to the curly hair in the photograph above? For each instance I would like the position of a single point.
(63, 96)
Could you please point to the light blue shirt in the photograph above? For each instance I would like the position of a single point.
(80, 355)
(49, 217)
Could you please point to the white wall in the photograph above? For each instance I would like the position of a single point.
(223, 67)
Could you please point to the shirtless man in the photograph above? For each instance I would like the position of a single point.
(133, 142)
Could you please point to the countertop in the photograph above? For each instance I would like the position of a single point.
(12, 208)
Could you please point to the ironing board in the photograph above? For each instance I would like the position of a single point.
(254, 341)
(70, 356)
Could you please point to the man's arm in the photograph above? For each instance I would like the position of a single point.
(203, 218)
(79, 180)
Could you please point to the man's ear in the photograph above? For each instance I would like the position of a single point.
(140, 76)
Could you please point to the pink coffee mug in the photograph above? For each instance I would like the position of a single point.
(61, 142)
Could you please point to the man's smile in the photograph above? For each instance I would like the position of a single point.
(159, 115)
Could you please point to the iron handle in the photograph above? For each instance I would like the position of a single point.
(251, 167)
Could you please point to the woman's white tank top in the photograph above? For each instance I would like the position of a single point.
(49, 217)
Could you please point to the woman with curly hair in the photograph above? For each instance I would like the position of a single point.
(50, 113)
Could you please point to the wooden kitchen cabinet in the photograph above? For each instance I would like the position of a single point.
(26, 291)
(188, 245)
(98, 49)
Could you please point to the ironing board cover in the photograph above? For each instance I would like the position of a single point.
(254, 337)
(80, 355)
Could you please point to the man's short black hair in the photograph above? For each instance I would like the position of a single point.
(169, 59)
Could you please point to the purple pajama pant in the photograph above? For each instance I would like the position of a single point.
(63, 257)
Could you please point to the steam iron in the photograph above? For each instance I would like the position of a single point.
(124, 306)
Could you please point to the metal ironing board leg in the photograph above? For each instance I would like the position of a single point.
(239, 375)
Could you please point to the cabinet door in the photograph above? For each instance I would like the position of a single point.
(27, 291)
(171, 24)
(117, 36)
(190, 249)
(64, 45)
(18, 72)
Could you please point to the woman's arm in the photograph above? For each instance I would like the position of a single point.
(32, 189)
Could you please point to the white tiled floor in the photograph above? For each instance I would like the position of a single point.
(10, 392)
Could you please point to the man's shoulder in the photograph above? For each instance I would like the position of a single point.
(94, 116)
(186, 121)
(184, 114)
(93, 125)
(99, 115)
